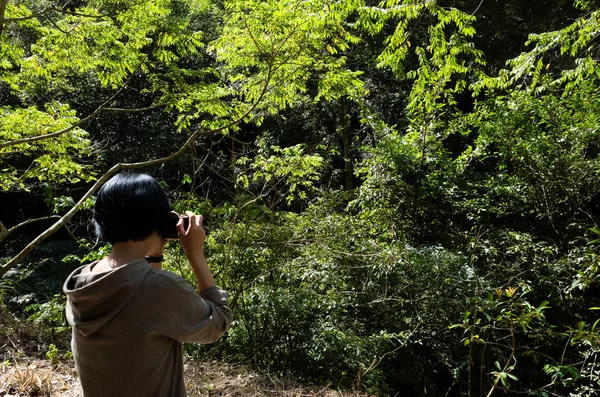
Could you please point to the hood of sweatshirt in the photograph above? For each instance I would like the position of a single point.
(94, 298)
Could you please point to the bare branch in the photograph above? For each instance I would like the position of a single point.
(70, 233)
(4, 232)
(477, 9)
(134, 110)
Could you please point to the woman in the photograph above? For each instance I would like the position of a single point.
(130, 317)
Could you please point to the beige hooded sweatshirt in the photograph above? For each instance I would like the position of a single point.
(129, 325)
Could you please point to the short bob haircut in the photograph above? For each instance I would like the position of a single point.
(130, 206)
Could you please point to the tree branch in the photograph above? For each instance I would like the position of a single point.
(510, 358)
(26, 17)
(127, 166)
(79, 14)
(134, 110)
(56, 26)
(2, 11)
(4, 232)
(65, 130)
(377, 360)
(3, 20)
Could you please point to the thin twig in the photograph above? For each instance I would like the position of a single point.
(477, 9)
(134, 110)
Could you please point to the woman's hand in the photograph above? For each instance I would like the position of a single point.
(192, 239)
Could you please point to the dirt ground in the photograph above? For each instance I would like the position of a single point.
(25, 371)
(37, 377)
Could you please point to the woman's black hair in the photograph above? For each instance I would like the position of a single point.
(131, 206)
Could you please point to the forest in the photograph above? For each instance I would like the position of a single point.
(402, 197)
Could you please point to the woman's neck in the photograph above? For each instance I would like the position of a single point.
(123, 253)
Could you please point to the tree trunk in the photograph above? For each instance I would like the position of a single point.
(2, 11)
(346, 142)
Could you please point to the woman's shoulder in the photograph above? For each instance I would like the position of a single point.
(159, 279)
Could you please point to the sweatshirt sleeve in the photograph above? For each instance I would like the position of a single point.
(192, 317)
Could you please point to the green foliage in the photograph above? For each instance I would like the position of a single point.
(288, 167)
(46, 160)
(543, 155)
(316, 297)
(102, 44)
(262, 61)
(461, 260)
(49, 314)
(52, 354)
(568, 48)
(270, 49)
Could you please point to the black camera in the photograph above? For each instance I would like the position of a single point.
(171, 232)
